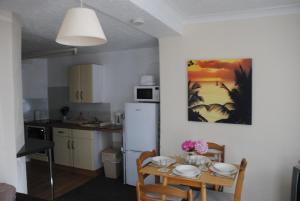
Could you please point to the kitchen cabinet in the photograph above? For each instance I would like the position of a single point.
(84, 143)
(74, 84)
(86, 83)
(62, 148)
(79, 148)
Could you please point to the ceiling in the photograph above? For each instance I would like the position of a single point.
(41, 18)
(197, 9)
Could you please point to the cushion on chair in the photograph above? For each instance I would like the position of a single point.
(213, 196)
(7, 192)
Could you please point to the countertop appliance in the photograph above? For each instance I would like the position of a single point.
(146, 93)
(118, 118)
(147, 80)
(141, 129)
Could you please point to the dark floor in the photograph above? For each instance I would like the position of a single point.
(65, 180)
(70, 186)
(101, 189)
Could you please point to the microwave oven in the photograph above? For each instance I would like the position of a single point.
(146, 93)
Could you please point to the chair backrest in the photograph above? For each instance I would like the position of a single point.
(161, 190)
(240, 180)
(140, 163)
(215, 152)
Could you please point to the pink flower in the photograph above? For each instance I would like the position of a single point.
(188, 145)
(201, 146)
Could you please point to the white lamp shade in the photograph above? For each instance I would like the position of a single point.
(81, 27)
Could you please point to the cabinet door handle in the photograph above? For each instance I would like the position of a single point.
(77, 95)
(73, 145)
(69, 145)
(81, 95)
(60, 132)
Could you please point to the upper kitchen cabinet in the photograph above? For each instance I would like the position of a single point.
(86, 83)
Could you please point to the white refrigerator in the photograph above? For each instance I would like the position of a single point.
(141, 127)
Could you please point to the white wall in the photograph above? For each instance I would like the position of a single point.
(122, 71)
(12, 170)
(35, 78)
(271, 144)
(35, 87)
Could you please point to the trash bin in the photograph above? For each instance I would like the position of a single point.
(112, 162)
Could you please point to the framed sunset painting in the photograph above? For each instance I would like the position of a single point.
(220, 91)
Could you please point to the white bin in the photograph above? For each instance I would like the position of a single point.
(112, 163)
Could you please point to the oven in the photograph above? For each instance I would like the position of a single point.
(37, 132)
(40, 133)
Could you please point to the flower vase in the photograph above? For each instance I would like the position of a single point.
(188, 158)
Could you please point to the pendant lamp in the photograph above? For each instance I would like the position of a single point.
(81, 27)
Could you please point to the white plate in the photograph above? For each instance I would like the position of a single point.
(224, 169)
(157, 160)
(186, 171)
(186, 175)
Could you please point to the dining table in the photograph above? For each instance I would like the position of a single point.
(206, 177)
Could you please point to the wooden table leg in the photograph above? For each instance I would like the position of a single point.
(165, 183)
(203, 192)
(157, 179)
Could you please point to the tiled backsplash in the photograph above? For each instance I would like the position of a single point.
(59, 97)
(34, 104)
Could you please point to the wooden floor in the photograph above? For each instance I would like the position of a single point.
(65, 180)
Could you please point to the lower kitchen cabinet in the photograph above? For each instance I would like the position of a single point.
(79, 148)
(62, 147)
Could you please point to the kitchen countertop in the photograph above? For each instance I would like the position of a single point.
(33, 146)
(60, 124)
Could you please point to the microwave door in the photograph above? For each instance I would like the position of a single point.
(145, 94)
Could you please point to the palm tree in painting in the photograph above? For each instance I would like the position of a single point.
(194, 102)
(239, 111)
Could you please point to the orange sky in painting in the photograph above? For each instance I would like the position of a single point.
(216, 70)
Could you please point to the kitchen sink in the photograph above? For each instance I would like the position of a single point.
(97, 124)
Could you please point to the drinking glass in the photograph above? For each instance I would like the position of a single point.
(203, 165)
(163, 164)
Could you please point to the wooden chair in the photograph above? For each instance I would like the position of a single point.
(171, 193)
(221, 196)
(140, 164)
(215, 153)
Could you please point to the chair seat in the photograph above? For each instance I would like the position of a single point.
(169, 198)
(157, 196)
(184, 188)
(213, 196)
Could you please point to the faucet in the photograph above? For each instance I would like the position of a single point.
(96, 119)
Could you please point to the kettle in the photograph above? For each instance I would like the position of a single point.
(119, 118)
